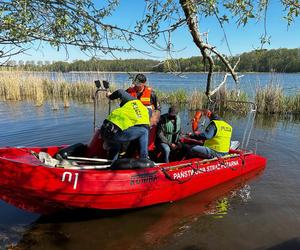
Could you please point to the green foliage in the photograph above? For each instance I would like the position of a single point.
(81, 22)
(129, 65)
(59, 23)
(292, 8)
(275, 60)
(170, 14)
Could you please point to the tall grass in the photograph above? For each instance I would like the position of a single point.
(270, 99)
(17, 86)
(196, 100)
(10, 87)
(292, 104)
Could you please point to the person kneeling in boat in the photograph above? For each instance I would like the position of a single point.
(169, 131)
(216, 137)
(125, 124)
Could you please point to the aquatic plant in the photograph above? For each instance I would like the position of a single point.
(23, 86)
(270, 99)
(196, 100)
(292, 104)
(177, 96)
(16, 86)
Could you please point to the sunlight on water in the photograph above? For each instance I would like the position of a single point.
(245, 193)
(263, 213)
(221, 208)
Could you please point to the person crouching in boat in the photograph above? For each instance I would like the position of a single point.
(125, 124)
(216, 137)
(169, 131)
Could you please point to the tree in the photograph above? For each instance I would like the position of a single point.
(81, 23)
(57, 22)
(186, 12)
(11, 63)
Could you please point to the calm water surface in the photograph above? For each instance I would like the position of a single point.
(249, 213)
(189, 81)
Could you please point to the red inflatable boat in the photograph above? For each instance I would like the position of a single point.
(28, 183)
(47, 179)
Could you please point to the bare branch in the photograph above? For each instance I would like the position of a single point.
(225, 79)
(190, 9)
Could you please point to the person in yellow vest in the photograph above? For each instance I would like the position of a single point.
(144, 93)
(127, 123)
(216, 137)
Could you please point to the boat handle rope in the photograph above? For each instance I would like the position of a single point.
(165, 171)
(242, 157)
(171, 179)
(222, 162)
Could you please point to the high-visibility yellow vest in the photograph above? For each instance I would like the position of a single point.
(221, 141)
(130, 114)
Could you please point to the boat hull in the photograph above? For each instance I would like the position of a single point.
(26, 183)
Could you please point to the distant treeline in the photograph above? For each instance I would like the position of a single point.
(275, 60)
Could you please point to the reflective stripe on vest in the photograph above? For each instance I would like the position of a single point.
(221, 141)
(130, 114)
(145, 98)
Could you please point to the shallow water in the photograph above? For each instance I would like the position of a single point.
(260, 213)
(189, 81)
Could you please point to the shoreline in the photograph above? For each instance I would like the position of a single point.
(141, 72)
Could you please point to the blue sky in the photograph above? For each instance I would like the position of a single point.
(241, 39)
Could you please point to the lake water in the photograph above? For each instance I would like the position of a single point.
(248, 213)
(189, 81)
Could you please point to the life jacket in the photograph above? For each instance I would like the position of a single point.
(196, 120)
(169, 129)
(221, 141)
(130, 114)
(145, 98)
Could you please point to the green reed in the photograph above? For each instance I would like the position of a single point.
(270, 99)
(292, 104)
(23, 87)
(196, 100)
(17, 86)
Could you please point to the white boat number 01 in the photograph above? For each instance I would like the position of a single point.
(69, 177)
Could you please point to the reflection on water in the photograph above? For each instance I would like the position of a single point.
(13, 223)
(261, 215)
(137, 229)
